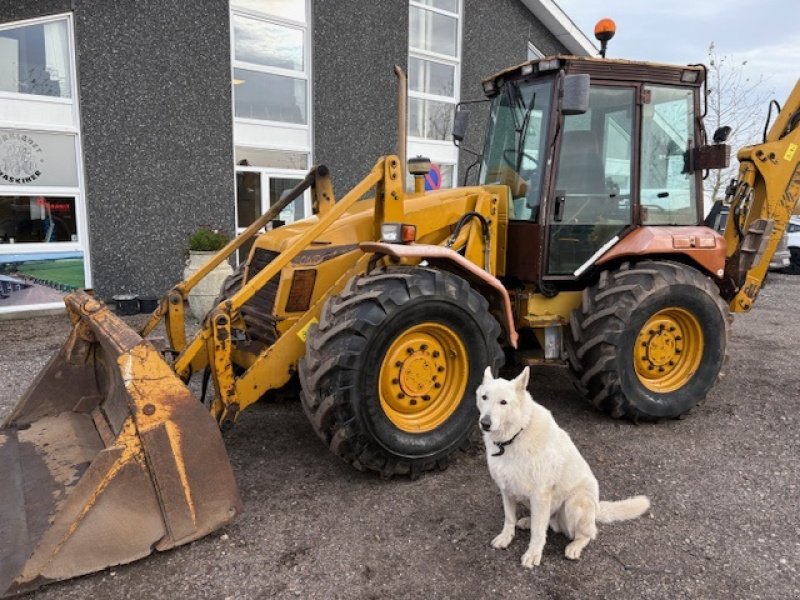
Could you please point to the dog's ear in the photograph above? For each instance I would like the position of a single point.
(521, 382)
(487, 375)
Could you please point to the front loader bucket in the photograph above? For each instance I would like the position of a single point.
(107, 457)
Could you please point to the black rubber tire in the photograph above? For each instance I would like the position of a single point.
(340, 370)
(604, 330)
(794, 262)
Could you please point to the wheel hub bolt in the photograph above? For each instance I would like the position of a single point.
(410, 350)
(423, 347)
(401, 395)
(412, 402)
(440, 369)
(395, 381)
(425, 397)
(660, 369)
(435, 354)
(437, 385)
(672, 363)
(398, 364)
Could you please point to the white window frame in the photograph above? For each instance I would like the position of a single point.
(72, 126)
(262, 129)
(441, 152)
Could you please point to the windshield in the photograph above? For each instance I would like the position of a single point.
(515, 142)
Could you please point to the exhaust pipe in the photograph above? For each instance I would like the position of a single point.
(402, 118)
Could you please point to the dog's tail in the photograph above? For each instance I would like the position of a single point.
(622, 510)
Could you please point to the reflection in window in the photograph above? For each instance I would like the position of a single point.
(668, 188)
(431, 77)
(430, 119)
(432, 32)
(294, 10)
(248, 197)
(277, 188)
(277, 159)
(267, 44)
(448, 5)
(270, 97)
(37, 219)
(34, 59)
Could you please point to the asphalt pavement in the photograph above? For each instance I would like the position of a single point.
(723, 482)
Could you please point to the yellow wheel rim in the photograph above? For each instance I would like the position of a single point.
(668, 350)
(423, 377)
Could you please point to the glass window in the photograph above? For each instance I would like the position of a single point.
(668, 188)
(270, 97)
(433, 32)
(430, 119)
(267, 44)
(515, 143)
(277, 159)
(40, 158)
(592, 201)
(286, 9)
(431, 77)
(448, 5)
(278, 186)
(34, 59)
(248, 197)
(37, 219)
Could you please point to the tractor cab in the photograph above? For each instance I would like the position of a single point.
(591, 149)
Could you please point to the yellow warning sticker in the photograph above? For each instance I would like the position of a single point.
(303, 333)
(790, 152)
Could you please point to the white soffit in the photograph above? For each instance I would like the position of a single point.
(562, 27)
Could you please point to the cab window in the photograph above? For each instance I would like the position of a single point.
(592, 198)
(668, 192)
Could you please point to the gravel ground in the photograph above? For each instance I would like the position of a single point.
(723, 483)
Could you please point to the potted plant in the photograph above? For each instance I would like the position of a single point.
(203, 244)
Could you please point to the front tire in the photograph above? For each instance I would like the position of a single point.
(649, 340)
(390, 371)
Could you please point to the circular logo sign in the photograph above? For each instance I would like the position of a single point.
(20, 158)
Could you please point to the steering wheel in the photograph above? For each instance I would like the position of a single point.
(510, 157)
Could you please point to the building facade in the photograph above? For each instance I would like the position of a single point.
(125, 126)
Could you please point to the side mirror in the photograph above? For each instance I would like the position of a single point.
(575, 97)
(721, 134)
(460, 124)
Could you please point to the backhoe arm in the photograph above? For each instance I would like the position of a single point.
(762, 198)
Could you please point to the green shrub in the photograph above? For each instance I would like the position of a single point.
(207, 240)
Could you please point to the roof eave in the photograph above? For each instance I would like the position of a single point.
(562, 27)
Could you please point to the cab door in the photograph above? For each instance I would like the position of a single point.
(591, 200)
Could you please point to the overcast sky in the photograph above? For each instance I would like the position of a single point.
(766, 34)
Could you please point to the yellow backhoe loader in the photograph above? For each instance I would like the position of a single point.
(583, 244)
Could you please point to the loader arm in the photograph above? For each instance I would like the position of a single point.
(763, 198)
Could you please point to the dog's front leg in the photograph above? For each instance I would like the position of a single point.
(509, 522)
(540, 517)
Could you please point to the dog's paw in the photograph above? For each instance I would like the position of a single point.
(502, 540)
(573, 551)
(532, 558)
(524, 523)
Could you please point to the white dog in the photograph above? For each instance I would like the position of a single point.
(534, 462)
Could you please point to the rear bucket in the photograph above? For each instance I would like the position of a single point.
(106, 457)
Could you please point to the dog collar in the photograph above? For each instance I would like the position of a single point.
(501, 446)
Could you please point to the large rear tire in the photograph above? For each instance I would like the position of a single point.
(649, 340)
(390, 371)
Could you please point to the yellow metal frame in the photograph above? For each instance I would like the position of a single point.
(769, 181)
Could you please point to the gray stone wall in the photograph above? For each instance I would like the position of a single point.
(155, 89)
(356, 45)
(155, 99)
(496, 36)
